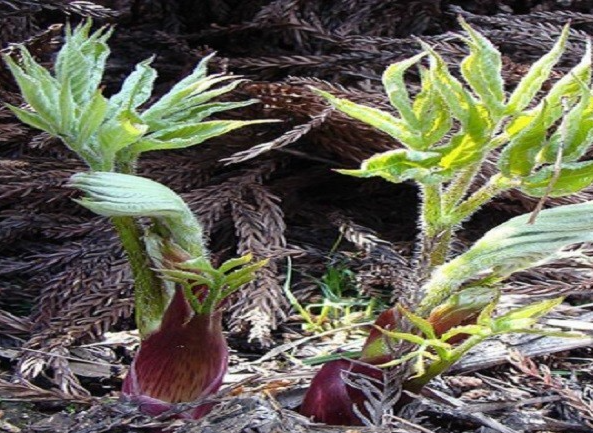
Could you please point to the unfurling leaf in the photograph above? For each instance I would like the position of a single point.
(115, 194)
(539, 72)
(400, 165)
(379, 119)
(514, 245)
(185, 135)
(523, 318)
(482, 71)
(393, 81)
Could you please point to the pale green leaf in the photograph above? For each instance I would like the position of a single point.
(400, 165)
(81, 61)
(524, 317)
(539, 72)
(42, 99)
(519, 157)
(482, 71)
(379, 119)
(575, 133)
(517, 244)
(135, 90)
(32, 119)
(393, 81)
(181, 136)
(91, 117)
(434, 119)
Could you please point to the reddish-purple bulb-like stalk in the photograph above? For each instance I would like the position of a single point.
(331, 400)
(183, 361)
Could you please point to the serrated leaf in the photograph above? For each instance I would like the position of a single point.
(574, 177)
(135, 90)
(181, 136)
(460, 102)
(180, 99)
(434, 119)
(91, 117)
(234, 263)
(32, 119)
(423, 325)
(574, 134)
(539, 72)
(379, 119)
(400, 165)
(203, 111)
(81, 61)
(524, 317)
(42, 99)
(519, 157)
(393, 81)
(482, 71)
(569, 88)
(67, 109)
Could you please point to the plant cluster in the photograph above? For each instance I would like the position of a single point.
(448, 132)
(178, 291)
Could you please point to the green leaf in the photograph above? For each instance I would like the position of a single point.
(434, 119)
(42, 98)
(81, 61)
(135, 90)
(574, 177)
(115, 194)
(400, 165)
(539, 72)
(32, 119)
(461, 103)
(181, 136)
(569, 88)
(67, 109)
(393, 81)
(235, 263)
(91, 117)
(463, 150)
(524, 317)
(117, 134)
(482, 71)
(203, 111)
(519, 157)
(183, 98)
(516, 245)
(575, 133)
(379, 119)
(423, 325)
(239, 277)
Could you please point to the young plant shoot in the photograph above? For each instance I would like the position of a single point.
(178, 293)
(447, 132)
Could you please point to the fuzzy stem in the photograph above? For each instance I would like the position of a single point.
(436, 236)
(149, 297)
(458, 187)
(497, 184)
